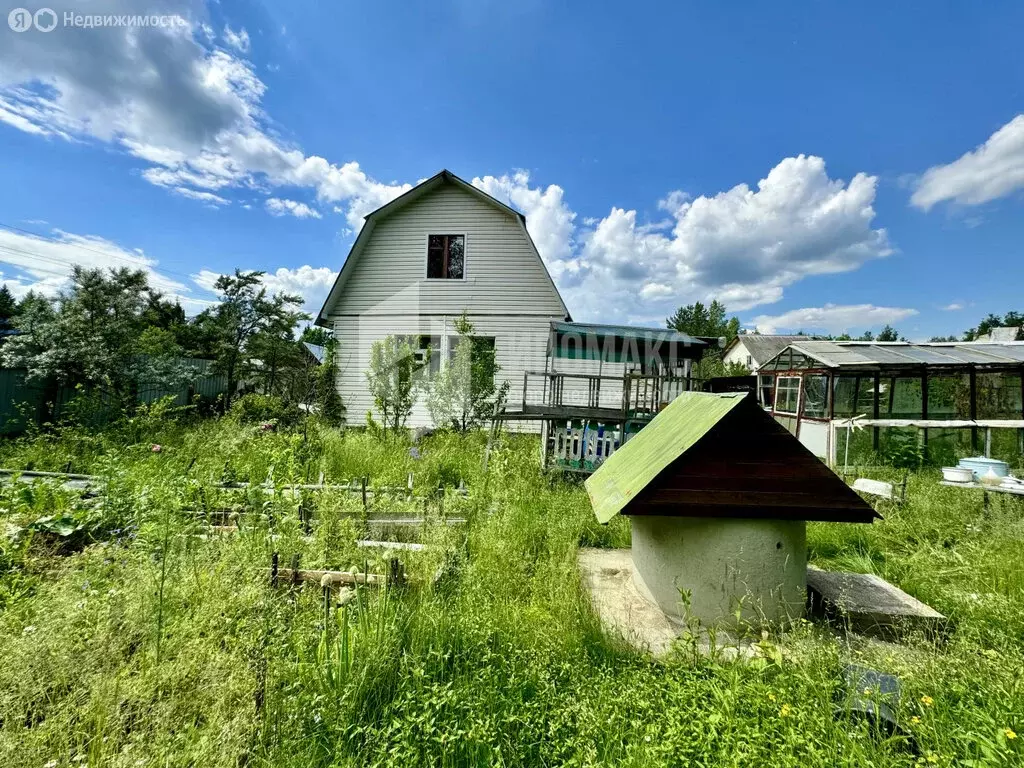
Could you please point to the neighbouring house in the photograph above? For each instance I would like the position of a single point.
(442, 248)
(1003, 333)
(755, 349)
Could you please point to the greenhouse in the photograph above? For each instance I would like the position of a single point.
(846, 400)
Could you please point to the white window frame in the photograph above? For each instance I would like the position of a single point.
(426, 257)
(799, 387)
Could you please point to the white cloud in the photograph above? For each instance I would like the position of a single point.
(548, 218)
(954, 307)
(238, 40)
(193, 114)
(206, 197)
(832, 318)
(167, 96)
(992, 170)
(282, 207)
(43, 264)
(743, 246)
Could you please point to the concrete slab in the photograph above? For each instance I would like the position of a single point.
(868, 604)
(608, 578)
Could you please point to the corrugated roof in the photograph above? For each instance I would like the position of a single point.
(626, 332)
(642, 458)
(763, 347)
(866, 354)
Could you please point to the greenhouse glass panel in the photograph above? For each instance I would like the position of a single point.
(998, 396)
(949, 397)
(843, 395)
(816, 396)
(787, 394)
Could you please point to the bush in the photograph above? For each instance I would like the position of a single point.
(263, 409)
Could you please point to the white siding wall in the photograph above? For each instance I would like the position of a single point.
(738, 354)
(506, 293)
(503, 274)
(520, 345)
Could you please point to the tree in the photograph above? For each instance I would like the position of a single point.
(888, 333)
(698, 320)
(314, 334)
(8, 308)
(243, 313)
(1009, 320)
(325, 386)
(88, 335)
(463, 393)
(390, 380)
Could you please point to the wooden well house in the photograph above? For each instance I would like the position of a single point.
(718, 495)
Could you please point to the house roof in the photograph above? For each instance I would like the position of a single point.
(316, 350)
(864, 355)
(720, 455)
(420, 190)
(763, 347)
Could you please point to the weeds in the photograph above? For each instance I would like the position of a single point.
(154, 641)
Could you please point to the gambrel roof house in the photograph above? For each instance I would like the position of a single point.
(442, 248)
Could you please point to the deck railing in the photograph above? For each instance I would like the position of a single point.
(633, 395)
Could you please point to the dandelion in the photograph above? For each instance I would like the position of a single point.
(771, 697)
(785, 711)
(1010, 735)
(915, 720)
(927, 701)
(867, 691)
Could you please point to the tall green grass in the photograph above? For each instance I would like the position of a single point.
(141, 640)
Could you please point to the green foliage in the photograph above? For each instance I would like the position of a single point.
(264, 409)
(1009, 320)
(248, 325)
(146, 643)
(463, 393)
(325, 386)
(698, 320)
(390, 381)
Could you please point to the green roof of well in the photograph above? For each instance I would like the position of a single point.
(643, 457)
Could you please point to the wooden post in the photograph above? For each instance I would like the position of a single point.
(273, 570)
(973, 378)
(924, 411)
(295, 570)
(875, 411)
(988, 442)
(365, 506)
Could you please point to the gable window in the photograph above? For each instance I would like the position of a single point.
(787, 394)
(446, 257)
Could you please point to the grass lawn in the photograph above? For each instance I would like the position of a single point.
(130, 636)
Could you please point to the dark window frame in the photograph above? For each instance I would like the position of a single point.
(441, 253)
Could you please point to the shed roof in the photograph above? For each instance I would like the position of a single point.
(627, 332)
(720, 455)
(867, 355)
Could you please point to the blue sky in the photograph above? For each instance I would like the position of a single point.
(816, 167)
